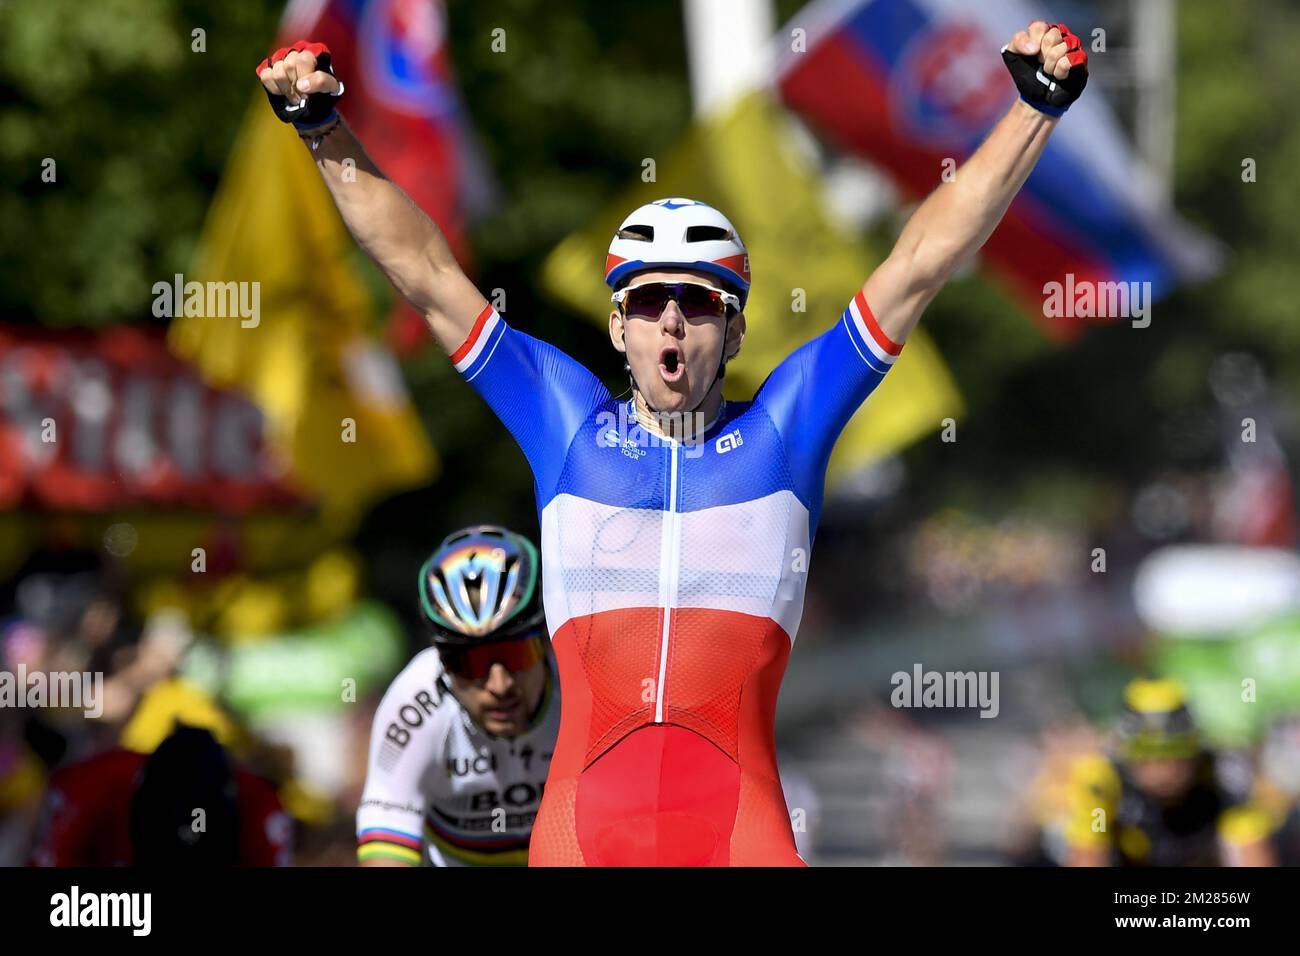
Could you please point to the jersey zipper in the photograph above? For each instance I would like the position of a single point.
(669, 571)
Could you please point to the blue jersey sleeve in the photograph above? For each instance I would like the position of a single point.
(540, 394)
(811, 395)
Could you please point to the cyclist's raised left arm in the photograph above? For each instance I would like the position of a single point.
(960, 215)
(812, 394)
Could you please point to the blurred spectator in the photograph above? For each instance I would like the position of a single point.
(1158, 801)
(917, 767)
(1277, 787)
(184, 805)
(1038, 819)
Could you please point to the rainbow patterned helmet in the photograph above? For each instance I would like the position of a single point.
(682, 234)
(480, 586)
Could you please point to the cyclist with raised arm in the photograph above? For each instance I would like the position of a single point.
(462, 740)
(676, 526)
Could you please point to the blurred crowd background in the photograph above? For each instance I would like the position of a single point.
(1069, 507)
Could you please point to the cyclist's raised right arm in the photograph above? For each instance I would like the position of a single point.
(538, 392)
(402, 240)
(397, 234)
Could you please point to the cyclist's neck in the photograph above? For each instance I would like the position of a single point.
(683, 427)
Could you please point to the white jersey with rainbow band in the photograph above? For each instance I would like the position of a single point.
(439, 786)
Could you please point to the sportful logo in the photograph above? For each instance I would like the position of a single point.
(728, 442)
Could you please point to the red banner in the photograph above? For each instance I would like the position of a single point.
(98, 421)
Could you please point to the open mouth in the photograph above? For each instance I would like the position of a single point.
(671, 366)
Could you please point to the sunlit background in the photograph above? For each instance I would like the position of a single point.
(1067, 502)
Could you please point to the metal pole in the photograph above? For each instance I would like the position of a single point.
(727, 47)
(1155, 21)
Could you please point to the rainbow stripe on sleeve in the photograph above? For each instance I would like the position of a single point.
(380, 842)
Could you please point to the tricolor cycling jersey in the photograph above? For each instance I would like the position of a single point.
(673, 579)
(438, 780)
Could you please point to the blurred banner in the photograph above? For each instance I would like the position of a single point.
(237, 604)
(806, 270)
(912, 84)
(401, 102)
(1226, 622)
(325, 666)
(102, 421)
(1237, 684)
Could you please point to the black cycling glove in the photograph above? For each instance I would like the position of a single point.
(318, 110)
(1045, 93)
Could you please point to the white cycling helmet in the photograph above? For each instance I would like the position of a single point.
(683, 234)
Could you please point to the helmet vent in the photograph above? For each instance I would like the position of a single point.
(708, 234)
(639, 232)
(474, 590)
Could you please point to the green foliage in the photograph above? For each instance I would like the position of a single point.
(138, 126)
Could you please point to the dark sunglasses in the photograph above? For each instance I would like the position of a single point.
(694, 299)
(475, 663)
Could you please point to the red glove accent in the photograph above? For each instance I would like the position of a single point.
(315, 49)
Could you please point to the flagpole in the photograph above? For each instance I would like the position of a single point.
(727, 48)
(1155, 21)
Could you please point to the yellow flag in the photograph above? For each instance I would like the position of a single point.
(806, 270)
(335, 403)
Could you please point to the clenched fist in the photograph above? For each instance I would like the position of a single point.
(1049, 65)
(302, 87)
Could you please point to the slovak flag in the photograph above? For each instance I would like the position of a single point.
(914, 85)
(402, 104)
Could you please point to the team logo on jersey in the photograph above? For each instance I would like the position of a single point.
(628, 444)
(515, 796)
(632, 448)
(411, 716)
(476, 765)
(728, 442)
